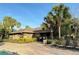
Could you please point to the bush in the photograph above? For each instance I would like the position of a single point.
(23, 40)
(49, 41)
(58, 42)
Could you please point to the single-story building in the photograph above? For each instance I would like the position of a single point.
(24, 33)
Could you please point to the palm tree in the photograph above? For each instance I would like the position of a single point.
(44, 26)
(61, 13)
(49, 23)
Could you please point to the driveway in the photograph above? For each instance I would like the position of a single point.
(35, 49)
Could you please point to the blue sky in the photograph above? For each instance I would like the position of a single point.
(31, 14)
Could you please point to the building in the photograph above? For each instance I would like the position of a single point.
(25, 33)
(22, 33)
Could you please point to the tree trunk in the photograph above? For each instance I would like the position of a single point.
(59, 30)
(51, 34)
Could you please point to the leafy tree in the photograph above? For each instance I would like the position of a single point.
(9, 23)
(66, 27)
(58, 16)
(75, 31)
(61, 12)
(59, 21)
(49, 23)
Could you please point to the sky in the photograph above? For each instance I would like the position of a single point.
(32, 14)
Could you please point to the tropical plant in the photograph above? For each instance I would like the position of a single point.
(56, 19)
(61, 12)
(49, 23)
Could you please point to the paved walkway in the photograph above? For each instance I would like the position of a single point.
(35, 49)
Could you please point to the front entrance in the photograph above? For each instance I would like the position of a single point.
(42, 36)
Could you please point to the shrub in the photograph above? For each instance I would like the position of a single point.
(49, 41)
(23, 40)
(58, 42)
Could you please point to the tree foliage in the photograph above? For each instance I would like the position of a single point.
(60, 21)
(58, 17)
(9, 23)
(7, 26)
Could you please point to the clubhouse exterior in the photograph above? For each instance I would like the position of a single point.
(25, 33)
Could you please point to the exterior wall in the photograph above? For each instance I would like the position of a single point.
(14, 36)
(17, 36)
(27, 35)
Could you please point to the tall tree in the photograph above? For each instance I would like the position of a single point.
(49, 23)
(61, 12)
(58, 15)
(9, 23)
